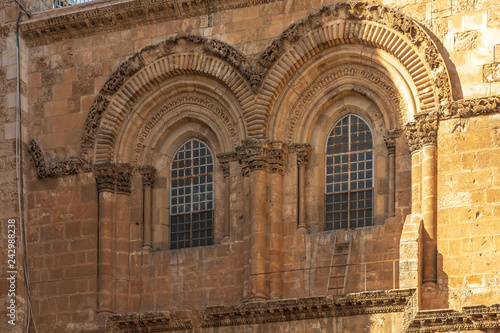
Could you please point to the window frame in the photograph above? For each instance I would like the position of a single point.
(331, 134)
(192, 212)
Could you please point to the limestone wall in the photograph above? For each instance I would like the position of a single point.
(63, 72)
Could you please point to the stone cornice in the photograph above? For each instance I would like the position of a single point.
(265, 312)
(106, 16)
(479, 317)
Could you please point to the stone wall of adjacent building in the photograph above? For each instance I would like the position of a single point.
(468, 187)
(61, 79)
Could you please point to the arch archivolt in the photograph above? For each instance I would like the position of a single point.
(351, 77)
(246, 95)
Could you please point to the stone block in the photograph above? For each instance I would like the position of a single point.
(492, 72)
(466, 40)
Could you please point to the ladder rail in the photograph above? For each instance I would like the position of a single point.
(339, 275)
(331, 264)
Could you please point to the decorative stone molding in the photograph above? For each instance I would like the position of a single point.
(215, 107)
(253, 155)
(123, 177)
(390, 140)
(92, 18)
(303, 151)
(277, 155)
(491, 72)
(53, 169)
(325, 80)
(106, 175)
(479, 317)
(224, 159)
(264, 312)
(465, 108)
(154, 321)
(359, 23)
(148, 175)
(422, 131)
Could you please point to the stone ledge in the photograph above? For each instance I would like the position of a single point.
(265, 312)
(478, 317)
(106, 16)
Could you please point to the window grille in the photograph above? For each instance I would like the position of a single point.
(191, 196)
(349, 174)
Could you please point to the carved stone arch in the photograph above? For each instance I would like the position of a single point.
(313, 93)
(368, 26)
(172, 100)
(141, 74)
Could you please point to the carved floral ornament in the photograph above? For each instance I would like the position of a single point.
(422, 131)
(255, 72)
(325, 80)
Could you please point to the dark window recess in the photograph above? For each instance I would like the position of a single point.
(349, 175)
(191, 196)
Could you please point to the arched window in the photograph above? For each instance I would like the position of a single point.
(349, 174)
(192, 196)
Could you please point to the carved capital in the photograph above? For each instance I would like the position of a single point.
(303, 151)
(253, 155)
(390, 140)
(423, 131)
(105, 174)
(277, 155)
(124, 175)
(224, 159)
(148, 175)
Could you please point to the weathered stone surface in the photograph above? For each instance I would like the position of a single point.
(492, 72)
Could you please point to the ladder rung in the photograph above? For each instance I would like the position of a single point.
(336, 276)
(339, 265)
(340, 254)
(332, 288)
(343, 243)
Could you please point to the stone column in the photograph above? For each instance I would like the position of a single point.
(253, 156)
(277, 155)
(105, 174)
(122, 236)
(148, 175)
(224, 160)
(303, 151)
(390, 140)
(425, 137)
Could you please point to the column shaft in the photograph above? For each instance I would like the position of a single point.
(429, 190)
(275, 234)
(302, 200)
(148, 218)
(416, 174)
(392, 187)
(105, 275)
(258, 197)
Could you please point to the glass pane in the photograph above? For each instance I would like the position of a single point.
(349, 174)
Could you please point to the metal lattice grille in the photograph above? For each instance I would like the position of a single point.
(191, 196)
(349, 175)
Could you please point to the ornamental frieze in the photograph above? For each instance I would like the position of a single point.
(325, 80)
(206, 102)
(465, 108)
(52, 169)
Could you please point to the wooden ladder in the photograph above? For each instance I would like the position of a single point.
(339, 266)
